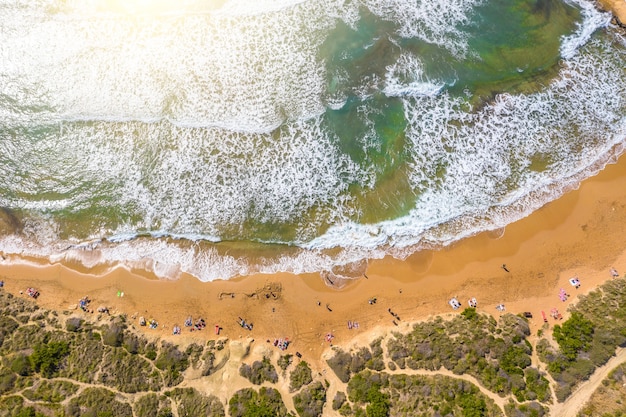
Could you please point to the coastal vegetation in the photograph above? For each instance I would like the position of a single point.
(62, 364)
(587, 339)
(610, 399)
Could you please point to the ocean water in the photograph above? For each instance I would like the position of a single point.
(225, 138)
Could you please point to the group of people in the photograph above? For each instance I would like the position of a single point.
(83, 303)
(199, 324)
(281, 344)
(353, 325)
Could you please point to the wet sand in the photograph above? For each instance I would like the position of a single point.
(581, 234)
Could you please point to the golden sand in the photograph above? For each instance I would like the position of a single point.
(617, 7)
(580, 234)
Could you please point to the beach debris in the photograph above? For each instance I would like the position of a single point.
(142, 321)
(472, 302)
(614, 273)
(32, 292)
(574, 282)
(500, 307)
(120, 293)
(454, 303)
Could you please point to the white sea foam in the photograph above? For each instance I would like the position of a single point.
(434, 21)
(406, 77)
(593, 19)
(245, 73)
(215, 121)
(579, 119)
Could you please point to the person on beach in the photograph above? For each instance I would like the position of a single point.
(505, 268)
(614, 273)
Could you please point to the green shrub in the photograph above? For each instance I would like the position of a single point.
(284, 361)
(7, 380)
(574, 336)
(379, 404)
(340, 364)
(339, 400)
(173, 362)
(300, 376)
(74, 324)
(50, 391)
(22, 365)
(191, 403)
(113, 334)
(469, 314)
(259, 372)
(97, 402)
(310, 401)
(128, 373)
(47, 358)
(7, 326)
(248, 403)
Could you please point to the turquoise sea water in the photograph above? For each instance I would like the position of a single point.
(245, 136)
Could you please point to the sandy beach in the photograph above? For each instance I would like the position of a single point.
(581, 234)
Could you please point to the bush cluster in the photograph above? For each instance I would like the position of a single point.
(300, 376)
(265, 403)
(415, 396)
(495, 353)
(588, 338)
(310, 401)
(259, 372)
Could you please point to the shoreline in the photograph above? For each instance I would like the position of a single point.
(579, 234)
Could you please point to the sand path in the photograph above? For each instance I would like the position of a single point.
(582, 394)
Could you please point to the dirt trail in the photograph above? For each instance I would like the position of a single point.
(500, 401)
(584, 391)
